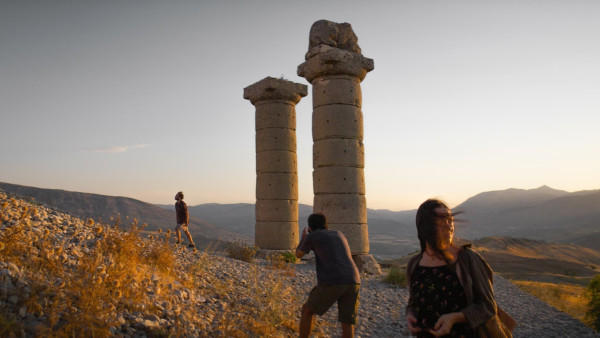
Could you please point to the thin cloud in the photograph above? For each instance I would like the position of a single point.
(116, 149)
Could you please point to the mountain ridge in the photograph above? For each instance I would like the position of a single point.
(542, 213)
(105, 208)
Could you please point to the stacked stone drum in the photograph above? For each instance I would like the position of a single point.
(276, 162)
(335, 67)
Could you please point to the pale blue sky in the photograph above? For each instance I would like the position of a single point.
(144, 98)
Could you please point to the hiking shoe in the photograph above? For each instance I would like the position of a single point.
(192, 245)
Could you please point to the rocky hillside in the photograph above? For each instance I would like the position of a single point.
(64, 276)
(104, 208)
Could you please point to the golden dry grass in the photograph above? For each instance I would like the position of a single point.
(278, 303)
(83, 300)
(112, 276)
(569, 298)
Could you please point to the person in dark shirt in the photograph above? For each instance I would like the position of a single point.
(183, 219)
(338, 279)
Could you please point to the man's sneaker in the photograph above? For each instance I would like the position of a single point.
(192, 245)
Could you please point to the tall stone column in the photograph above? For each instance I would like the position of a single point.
(335, 67)
(276, 162)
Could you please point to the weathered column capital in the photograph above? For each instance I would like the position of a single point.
(271, 88)
(324, 60)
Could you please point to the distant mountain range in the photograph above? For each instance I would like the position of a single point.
(543, 213)
(540, 214)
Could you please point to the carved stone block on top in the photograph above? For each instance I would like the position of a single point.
(333, 50)
(339, 35)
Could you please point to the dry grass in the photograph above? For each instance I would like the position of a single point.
(269, 306)
(83, 299)
(269, 292)
(241, 251)
(114, 274)
(396, 276)
(283, 261)
(569, 298)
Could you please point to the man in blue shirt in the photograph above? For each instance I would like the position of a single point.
(338, 279)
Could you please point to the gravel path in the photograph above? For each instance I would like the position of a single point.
(382, 307)
(534, 317)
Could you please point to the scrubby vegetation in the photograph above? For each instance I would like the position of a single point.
(593, 311)
(289, 257)
(61, 276)
(242, 251)
(569, 298)
(80, 284)
(396, 276)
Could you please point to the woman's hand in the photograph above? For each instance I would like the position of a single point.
(411, 322)
(445, 322)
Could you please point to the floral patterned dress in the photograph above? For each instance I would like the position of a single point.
(438, 291)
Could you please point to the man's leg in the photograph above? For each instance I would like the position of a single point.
(306, 322)
(178, 233)
(348, 308)
(320, 299)
(188, 235)
(347, 330)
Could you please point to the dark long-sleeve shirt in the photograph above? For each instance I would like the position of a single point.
(182, 213)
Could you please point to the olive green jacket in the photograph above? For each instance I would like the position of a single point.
(476, 277)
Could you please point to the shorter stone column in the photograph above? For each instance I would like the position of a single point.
(276, 167)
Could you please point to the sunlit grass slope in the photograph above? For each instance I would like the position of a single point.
(62, 276)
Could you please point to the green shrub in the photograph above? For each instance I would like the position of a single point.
(289, 257)
(240, 251)
(281, 260)
(396, 276)
(593, 313)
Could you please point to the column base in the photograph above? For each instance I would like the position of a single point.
(366, 263)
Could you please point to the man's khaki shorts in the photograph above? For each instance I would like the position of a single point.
(321, 298)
